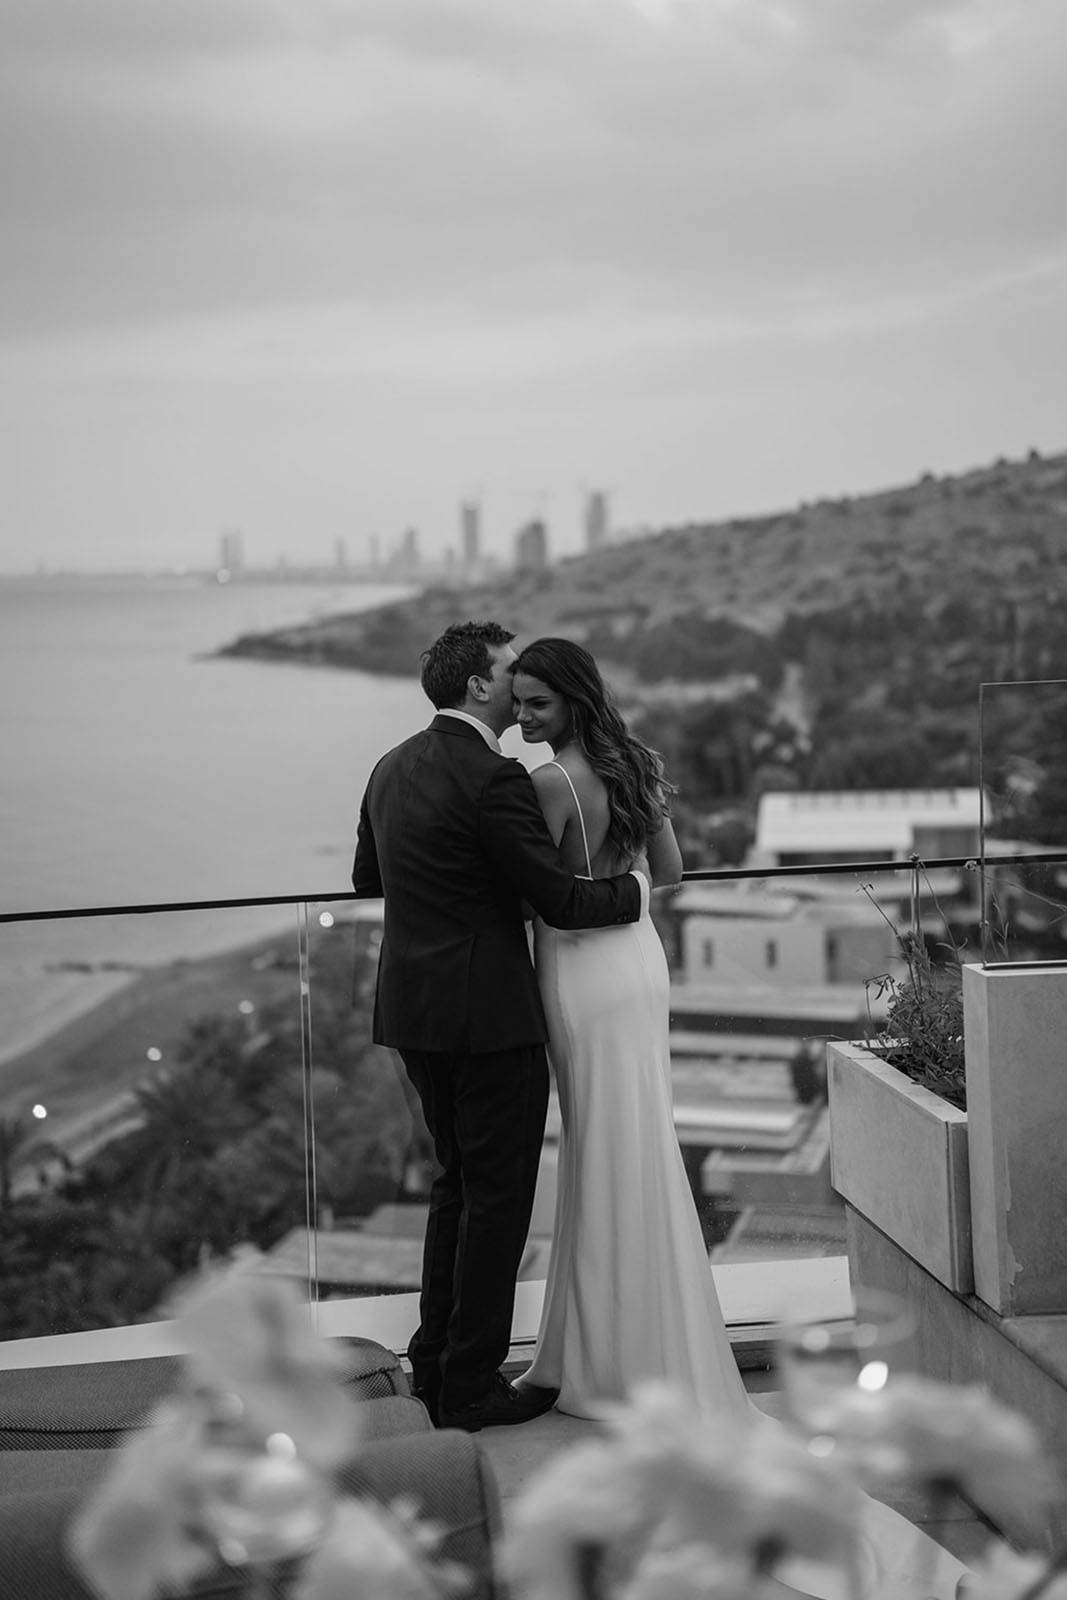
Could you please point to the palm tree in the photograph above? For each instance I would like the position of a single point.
(180, 1131)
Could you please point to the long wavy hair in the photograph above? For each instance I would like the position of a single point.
(631, 772)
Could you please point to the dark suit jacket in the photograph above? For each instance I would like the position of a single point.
(452, 835)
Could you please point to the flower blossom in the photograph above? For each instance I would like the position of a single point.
(693, 1572)
(794, 1501)
(686, 1471)
(371, 1553)
(236, 1463)
(133, 1537)
(1002, 1573)
(586, 1498)
(252, 1336)
(668, 1481)
(946, 1434)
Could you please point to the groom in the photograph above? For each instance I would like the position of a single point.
(451, 833)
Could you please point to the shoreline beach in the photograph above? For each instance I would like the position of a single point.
(36, 1006)
(88, 1038)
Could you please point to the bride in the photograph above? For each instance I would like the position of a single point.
(629, 1294)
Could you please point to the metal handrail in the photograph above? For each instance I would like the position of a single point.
(908, 864)
(174, 905)
(696, 875)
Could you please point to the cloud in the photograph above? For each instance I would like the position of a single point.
(250, 242)
(232, 153)
(457, 350)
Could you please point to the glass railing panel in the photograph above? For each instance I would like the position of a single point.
(211, 1091)
(764, 971)
(1023, 764)
(150, 1110)
(372, 1156)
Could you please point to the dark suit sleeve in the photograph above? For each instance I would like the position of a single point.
(517, 842)
(366, 875)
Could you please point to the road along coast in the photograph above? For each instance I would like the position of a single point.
(83, 1041)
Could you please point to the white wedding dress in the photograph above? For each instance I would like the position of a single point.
(629, 1294)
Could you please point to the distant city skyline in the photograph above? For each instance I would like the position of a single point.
(402, 558)
(233, 555)
(323, 274)
(531, 546)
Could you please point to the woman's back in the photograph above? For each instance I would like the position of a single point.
(586, 791)
(570, 807)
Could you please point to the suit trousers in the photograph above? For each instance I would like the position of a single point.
(486, 1116)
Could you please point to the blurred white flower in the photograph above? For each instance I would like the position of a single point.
(1004, 1574)
(947, 1434)
(236, 1463)
(260, 1506)
(748, 1490)
(667, 1499)
(585, 1497)
(794, 1502)
(134, 1537)
(693, 1572)
(686, 1472)
(253, 1337)
(370, 1554)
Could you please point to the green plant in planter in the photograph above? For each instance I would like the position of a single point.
(922, 1032)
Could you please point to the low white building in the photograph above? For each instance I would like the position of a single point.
(751, 933)
(865, 825)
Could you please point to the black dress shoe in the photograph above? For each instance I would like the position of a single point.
(535, 1395)
(501, 1406)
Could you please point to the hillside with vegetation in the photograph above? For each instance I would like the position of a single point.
(837, 645)
(214, 1164)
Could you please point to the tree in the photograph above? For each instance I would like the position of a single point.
(20, 1141)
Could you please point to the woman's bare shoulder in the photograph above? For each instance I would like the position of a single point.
(575, 768)
(579, 768)
(547, 778)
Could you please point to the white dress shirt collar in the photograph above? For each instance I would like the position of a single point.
(487, 733)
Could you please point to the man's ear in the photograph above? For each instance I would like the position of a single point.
(476, 688)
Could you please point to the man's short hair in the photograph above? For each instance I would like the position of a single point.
(460, 653)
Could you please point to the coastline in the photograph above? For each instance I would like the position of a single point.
(243, 783)
(85, 1037)
(35, 1007)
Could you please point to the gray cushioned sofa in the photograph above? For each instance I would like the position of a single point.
(58, 1425)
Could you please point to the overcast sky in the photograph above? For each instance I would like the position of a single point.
(318, 269)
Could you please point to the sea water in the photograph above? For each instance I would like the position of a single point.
(136, 768)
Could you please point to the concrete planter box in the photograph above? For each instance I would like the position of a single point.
(1015, 1028)
(899, 1156)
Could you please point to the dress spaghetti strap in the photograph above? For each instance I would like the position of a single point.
(581, 819)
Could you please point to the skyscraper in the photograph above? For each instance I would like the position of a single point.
(531, 547)
(407, 558)
(231, 550)
(596, 519)
(470, 516)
